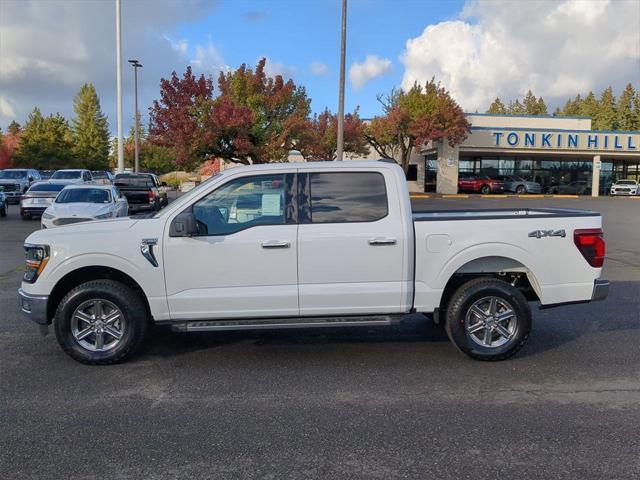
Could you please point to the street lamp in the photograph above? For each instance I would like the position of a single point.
(136, 64)
(343, 48)
(120, 168)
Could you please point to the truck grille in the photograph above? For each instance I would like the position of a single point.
(10, 187)
(68, 221)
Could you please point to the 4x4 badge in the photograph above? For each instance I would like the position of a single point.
(547, 233)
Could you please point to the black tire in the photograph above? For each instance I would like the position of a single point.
(4, 208)
(485, 189)
(521, 189)
(477, 290)
(130, 304)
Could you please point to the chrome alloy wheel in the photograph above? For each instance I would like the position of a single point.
(97, 325)
(491, 322)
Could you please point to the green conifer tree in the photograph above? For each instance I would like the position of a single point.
(605, 115)
(90, 129)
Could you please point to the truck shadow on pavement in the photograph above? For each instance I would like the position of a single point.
(553, 329)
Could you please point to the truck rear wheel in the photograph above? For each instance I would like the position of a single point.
(488, 319)
(101, 322)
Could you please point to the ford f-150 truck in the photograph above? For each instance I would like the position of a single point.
(324, 244)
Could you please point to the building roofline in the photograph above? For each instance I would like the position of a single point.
(528, 116)
(538, 129)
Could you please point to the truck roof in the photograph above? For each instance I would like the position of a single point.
(347, 164)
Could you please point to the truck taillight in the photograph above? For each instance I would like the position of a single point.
(590, 242)
(150, 195)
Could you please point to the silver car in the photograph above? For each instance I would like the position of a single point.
(513, 183)
(38, 198)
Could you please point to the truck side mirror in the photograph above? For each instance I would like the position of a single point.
(184, 225)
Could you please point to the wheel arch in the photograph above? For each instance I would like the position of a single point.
(87, 273)
(506, 268)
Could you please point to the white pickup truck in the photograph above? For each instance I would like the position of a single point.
(322, 244)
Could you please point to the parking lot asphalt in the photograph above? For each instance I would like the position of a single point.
(381, 402)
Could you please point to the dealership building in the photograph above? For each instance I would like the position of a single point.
(563, 154)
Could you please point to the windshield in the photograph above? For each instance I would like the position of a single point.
(99, 174)
(66, 175)
(182, 200)
(13, 174)
(84, 195)
(626, 182)
(47, 187)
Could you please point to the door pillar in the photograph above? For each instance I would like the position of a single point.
(595, 177)
(447, 178)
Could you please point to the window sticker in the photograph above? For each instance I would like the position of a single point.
(270, 204)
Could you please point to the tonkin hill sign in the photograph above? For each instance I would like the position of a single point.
(566, 140)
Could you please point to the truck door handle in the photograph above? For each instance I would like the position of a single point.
(275, 244)
(382, 241)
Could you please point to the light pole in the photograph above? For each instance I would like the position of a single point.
(136, 65)
(343, 48)
(119, 88)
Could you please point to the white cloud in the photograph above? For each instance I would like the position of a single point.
(208, 58)
(273, 68)
(318, 68)
(6, 110)
(48, 49)
(180, 46)
(502, 48)
(372, 67)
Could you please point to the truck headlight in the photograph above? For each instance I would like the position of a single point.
(104, 215)
(47, 216)
(36, 257)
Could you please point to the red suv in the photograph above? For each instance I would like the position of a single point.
(471, 182)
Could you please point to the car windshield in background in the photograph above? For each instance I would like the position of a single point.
(47, 187)
(65, 175)
(13, 174)
(142, 181)
(84, 195)
(626, 182)
(99, 175)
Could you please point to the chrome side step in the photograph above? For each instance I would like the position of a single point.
(279, 323)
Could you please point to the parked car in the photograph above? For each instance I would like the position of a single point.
(17, 181)
(102, 177)
(73, 175)
(46, 174)
(470, 182)
(161, 186)
(141, 190)
(327, 244)
(4, 203)
(39, 197)
(580, 187)
(515, 184)
(82, 203)
(625, 187)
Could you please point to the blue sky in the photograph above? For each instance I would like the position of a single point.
(477, 49)
(295, 34)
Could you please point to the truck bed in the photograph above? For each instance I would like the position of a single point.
(500, 213)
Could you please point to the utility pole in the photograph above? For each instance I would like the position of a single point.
(119, 87)
(136, 65)
(343, 48)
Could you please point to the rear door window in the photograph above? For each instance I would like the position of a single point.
(342, 197)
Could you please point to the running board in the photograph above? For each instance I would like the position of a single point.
(279, 323)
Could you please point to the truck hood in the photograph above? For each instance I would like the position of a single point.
(101, 228)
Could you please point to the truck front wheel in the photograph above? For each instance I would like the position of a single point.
(101, 322)
(488, 319)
